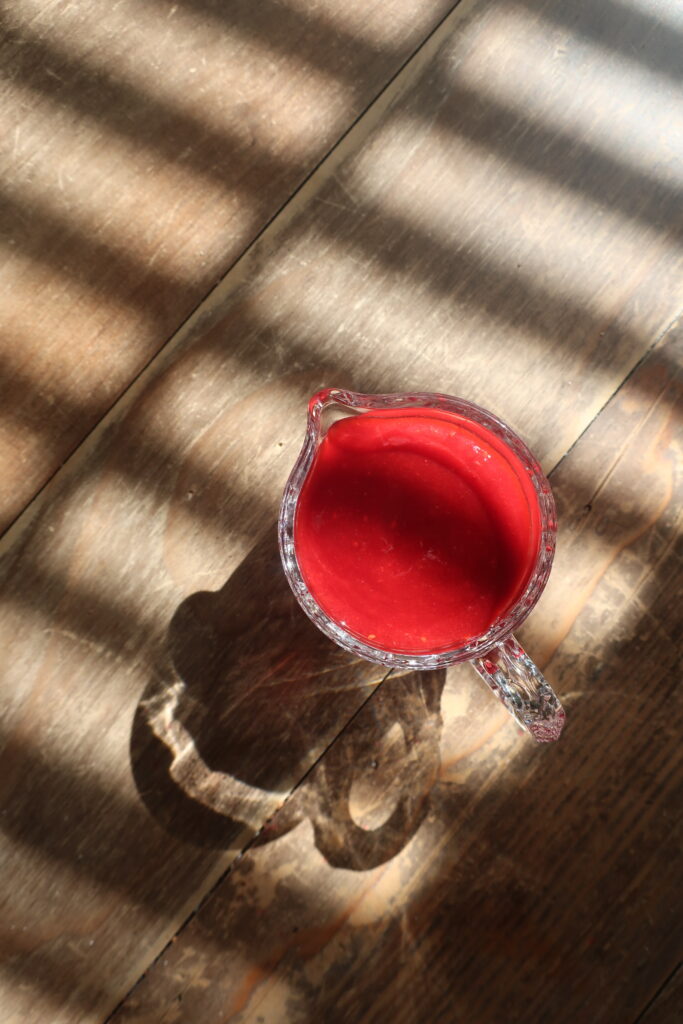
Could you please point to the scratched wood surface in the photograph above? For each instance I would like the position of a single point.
(484, 878)
(143, 148)
(503, 224)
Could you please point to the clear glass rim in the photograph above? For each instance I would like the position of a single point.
(359, 403)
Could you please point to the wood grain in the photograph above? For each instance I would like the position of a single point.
(142, 152)
(486, 878)
(146, 619)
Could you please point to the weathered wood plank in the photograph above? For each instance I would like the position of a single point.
(142, 151)
(487, 879)
(136, 587)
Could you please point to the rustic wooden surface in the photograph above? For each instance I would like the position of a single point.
(503, 223)
(486, 878)
(143, 148)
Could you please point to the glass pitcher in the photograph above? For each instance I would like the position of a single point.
(495, 654)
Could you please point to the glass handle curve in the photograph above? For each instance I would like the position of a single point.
(511, 674)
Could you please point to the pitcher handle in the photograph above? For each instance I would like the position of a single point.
(513, 677)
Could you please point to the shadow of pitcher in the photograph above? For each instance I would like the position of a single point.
(251, 697)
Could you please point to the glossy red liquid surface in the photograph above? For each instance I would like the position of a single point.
(416, 529)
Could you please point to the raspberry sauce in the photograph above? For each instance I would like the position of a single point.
(416, 529)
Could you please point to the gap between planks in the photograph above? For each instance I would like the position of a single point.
(658, 340)
(661, 991)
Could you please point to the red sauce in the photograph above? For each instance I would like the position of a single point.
(416, 529)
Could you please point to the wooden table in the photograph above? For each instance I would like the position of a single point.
(211, 208)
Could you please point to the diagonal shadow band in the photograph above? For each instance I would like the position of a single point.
(257, 696)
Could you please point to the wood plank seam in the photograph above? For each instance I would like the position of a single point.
(660, 991)
(658, 340)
